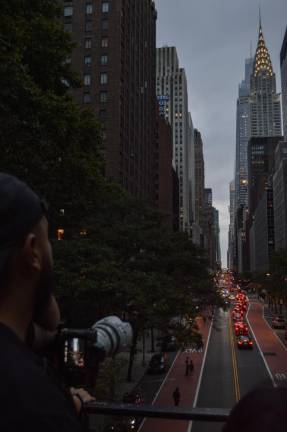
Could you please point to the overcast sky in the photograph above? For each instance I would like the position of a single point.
(213, 38)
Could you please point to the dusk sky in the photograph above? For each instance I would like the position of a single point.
(213, 39)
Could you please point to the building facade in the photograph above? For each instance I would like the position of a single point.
(163, 170)
(283, 65)
(243, 131)
(231, 232)
(280, 196)
(261, 157)
(171, 90)
(262, 238)
(115, 57)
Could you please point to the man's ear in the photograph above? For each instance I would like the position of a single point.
(31, 252)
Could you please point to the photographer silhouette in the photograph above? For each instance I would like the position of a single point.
(33, 396)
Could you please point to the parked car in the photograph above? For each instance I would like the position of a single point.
(157, 364)
(279, 322)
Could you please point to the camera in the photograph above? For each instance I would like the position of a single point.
(81, 350)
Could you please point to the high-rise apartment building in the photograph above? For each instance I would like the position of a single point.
(242, 136)
(283, 65)
(171, 89)
(115, 57)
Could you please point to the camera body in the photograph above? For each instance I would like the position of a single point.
(81, 350)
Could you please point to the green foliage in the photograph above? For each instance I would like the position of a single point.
(46, 139)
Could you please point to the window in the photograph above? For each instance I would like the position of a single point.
(87, 98)
(87, 80)
(88, 60)
(103, 97)
(68, 11)
(104, 78)
(89, 9)
(105, 7)
(68, 27)
(88, 26)
(105, 24)
(88, 43)
(104, 59)
(105, 42)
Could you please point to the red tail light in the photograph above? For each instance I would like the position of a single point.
(250, 343)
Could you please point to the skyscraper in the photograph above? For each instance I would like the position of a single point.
(171, 89)
(283, 64)
(258, 115)
(115, 57)
(265, 111)
(242, 136)
(231, 232)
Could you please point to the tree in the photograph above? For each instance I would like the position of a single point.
(46, 139)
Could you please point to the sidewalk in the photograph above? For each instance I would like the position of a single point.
(139, 366)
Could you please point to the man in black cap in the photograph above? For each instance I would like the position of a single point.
(30, 397)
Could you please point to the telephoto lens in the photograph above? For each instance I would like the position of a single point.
(113, 335)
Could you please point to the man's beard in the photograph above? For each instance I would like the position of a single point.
(44, 290)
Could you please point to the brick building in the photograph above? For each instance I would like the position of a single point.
(115, 57)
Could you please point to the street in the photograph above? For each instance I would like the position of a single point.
(223, 373)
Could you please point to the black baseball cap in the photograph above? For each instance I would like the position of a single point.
(20, 210)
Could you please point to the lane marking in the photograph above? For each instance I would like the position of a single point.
(161, 386)
(260, 351)
(273, 330)
(234, 363)
(201, 373)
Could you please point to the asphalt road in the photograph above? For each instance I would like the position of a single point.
(229, 373)
(217, 388)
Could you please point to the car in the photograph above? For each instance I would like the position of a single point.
(237, 317)
(241, 331)
(279, 322)
(244, 342)
(157, 364)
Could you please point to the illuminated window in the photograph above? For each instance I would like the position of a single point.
(88, 60)
(60, 233)
(83, 232)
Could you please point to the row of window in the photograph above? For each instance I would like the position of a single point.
(88, 79)
(103, 97)
(69, 10)
(103, 60)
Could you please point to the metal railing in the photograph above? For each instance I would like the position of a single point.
(147, 411)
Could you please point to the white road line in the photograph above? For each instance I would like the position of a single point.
(161, 386)
(260, 351)
(273, 330)
(201, 373)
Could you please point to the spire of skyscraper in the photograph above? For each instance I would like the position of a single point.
(262, 57)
